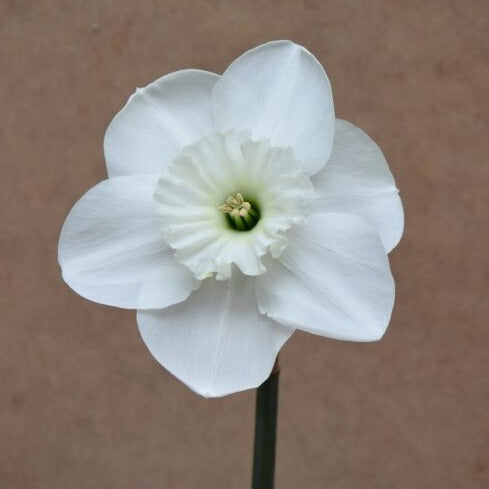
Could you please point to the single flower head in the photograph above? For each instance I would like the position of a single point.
(237, 209)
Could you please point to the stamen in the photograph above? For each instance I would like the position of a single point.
(242, 216)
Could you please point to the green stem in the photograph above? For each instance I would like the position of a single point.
(265, 432)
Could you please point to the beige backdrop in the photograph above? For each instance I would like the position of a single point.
(83, 404)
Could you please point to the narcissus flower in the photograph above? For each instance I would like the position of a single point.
(237, 209)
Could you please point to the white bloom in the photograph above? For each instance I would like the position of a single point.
(236, 210)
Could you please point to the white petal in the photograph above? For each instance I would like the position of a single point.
(158, 121)
(333, 279)
(279, 91)
(357, 180)
(110, 249)
(216, 342)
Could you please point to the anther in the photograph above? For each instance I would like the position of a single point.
(241, 214)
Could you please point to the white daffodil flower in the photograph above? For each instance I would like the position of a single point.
(237, 209)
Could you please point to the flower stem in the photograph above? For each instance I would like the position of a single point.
(266, 432)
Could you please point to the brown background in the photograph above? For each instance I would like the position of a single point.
(83, 404)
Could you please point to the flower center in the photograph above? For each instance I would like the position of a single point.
(241, 214)
(221, 203)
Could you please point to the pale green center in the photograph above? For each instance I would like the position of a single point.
(241, 214)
